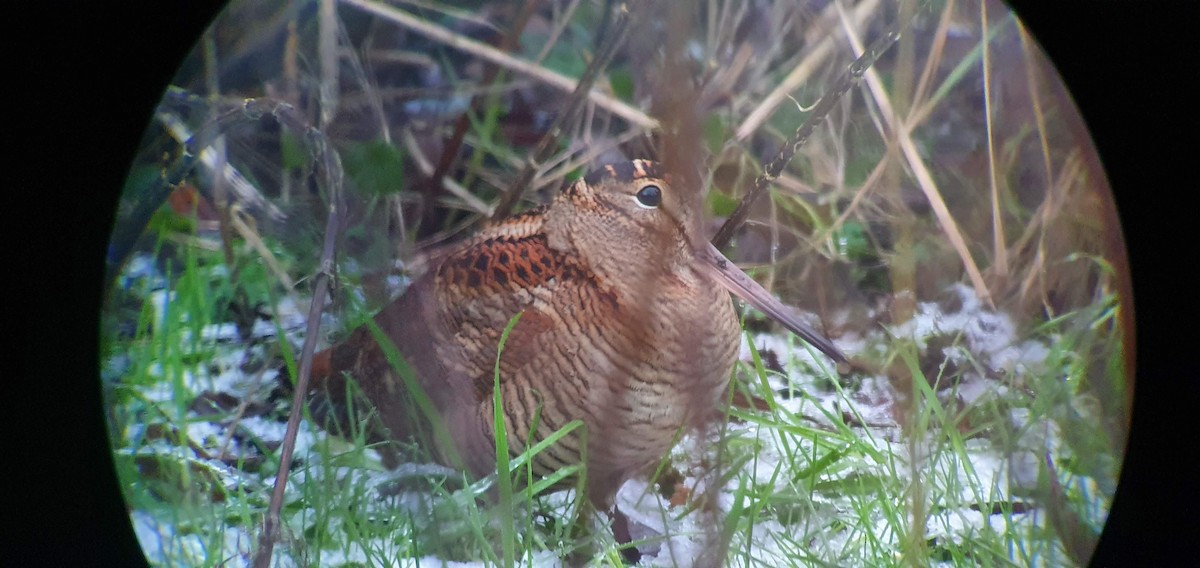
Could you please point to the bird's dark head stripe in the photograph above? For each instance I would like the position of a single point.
(625, 172)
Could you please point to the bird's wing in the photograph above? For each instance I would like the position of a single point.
(482, 286)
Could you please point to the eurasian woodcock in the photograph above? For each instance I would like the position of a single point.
(627, 325)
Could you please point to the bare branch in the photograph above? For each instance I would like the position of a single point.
(329, 163)
(331, 166)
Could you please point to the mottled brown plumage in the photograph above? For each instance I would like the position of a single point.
(626, 324)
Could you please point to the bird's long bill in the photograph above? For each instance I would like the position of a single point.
(736, 281)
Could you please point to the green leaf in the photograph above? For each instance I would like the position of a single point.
(565, 62)
(374, 167)
(715, 133)
(165, 221)
(852, 241)
(508, 539)
(294, 156)
(622, 84)
(721, 205)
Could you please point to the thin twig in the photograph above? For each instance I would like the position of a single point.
(426, 167)
(328, 162)
(256, 242)
(370, 91)
(563, 21)
(484, 51)
(918, 114)
(863, 191)
(327, 43)
(332, 168)
(589, 153)
(936, 50)
(819, 112)
(333, 177)
(545, 147)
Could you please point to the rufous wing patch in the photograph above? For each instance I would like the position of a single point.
(505, 264)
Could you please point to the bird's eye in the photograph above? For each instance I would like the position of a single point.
(649, 197)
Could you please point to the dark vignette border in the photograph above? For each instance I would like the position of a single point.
(88, 77)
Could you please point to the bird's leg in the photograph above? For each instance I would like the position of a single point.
(620, 529)
(583, 535)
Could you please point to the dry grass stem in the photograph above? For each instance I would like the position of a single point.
(327, 47)
(863, 191)
(800, 74)
(1048, 213)
(255, 241)
(563, 20)
(589, 153)
(1033, 82)
(936, 49)
(566, 118)
(291, 94)
(999, 251)
(484, 51)
(372, 96)
(456, 13)
(901, 132)
(920, 112)
(469, 201)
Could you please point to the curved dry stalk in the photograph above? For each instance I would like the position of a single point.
(1050, 203)
(1033, 80)
(327, 161)
(331, 166)
(921, 107)
(557, 31)
(484, 51)
(867, 187)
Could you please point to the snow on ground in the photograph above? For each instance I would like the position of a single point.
(804, 391)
